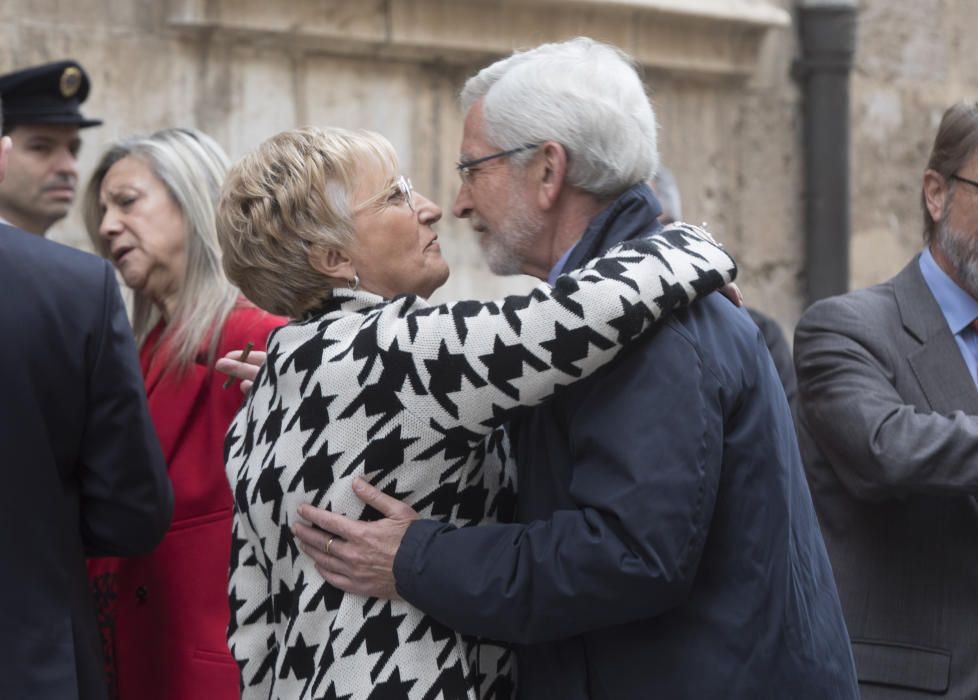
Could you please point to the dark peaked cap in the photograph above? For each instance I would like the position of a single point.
(48, 94)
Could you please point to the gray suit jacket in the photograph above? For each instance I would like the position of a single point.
(888, 426)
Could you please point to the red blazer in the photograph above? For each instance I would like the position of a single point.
(171, 608)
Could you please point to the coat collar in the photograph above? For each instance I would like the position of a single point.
(634, 213)
(342, 301)
(937, 364)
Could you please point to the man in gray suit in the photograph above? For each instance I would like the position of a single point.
(888, 423)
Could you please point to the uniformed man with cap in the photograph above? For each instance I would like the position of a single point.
(40, 114)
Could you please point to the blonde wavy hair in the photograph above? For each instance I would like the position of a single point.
(191, 166)
(290, 196)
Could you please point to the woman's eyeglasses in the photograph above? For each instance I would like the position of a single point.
(405, 190)
(401, 190)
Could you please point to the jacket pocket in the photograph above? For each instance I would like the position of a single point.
(212, 675)
(902, 665)
(214, 657)
(205, 519)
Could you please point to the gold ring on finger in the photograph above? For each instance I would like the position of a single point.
(329, 542)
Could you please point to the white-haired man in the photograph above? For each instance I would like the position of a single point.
(667, 544)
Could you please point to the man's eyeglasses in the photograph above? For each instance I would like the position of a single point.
(465, 167)
(964, 180)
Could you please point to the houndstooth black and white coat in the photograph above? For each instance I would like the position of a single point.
(412, 396)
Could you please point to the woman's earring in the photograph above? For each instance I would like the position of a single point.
(355, 282)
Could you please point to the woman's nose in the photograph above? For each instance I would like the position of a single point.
(110, 224)
(428, 211)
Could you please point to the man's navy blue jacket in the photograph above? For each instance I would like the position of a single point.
(668, 546)
(83, 472)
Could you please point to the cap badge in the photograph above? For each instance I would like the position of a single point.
(70, 81)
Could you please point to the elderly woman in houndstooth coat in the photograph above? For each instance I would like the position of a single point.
(370, 380)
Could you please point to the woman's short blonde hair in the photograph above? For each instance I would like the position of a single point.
(294, 194)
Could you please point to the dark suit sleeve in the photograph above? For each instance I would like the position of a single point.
(777, 345)
(126, 498)
(879, 445)
(646, 450)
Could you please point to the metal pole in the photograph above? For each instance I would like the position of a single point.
(828, 42)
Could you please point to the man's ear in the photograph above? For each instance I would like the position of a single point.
(551, 173)
(5, 145)
(332, 263)
(935, 194)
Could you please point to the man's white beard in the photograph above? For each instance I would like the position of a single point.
(961, 250)
(506, 249)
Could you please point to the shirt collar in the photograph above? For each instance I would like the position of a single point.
(559, 266)
(959, 307)
(634, 213)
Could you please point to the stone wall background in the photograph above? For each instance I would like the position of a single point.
(914, 59)
(719, 74)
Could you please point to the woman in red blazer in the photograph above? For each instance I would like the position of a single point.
(149, 208)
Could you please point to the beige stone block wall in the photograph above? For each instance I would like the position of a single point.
(735, 148)
(244, 69)
(913, 60)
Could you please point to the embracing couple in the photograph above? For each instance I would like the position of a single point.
(591, 491)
